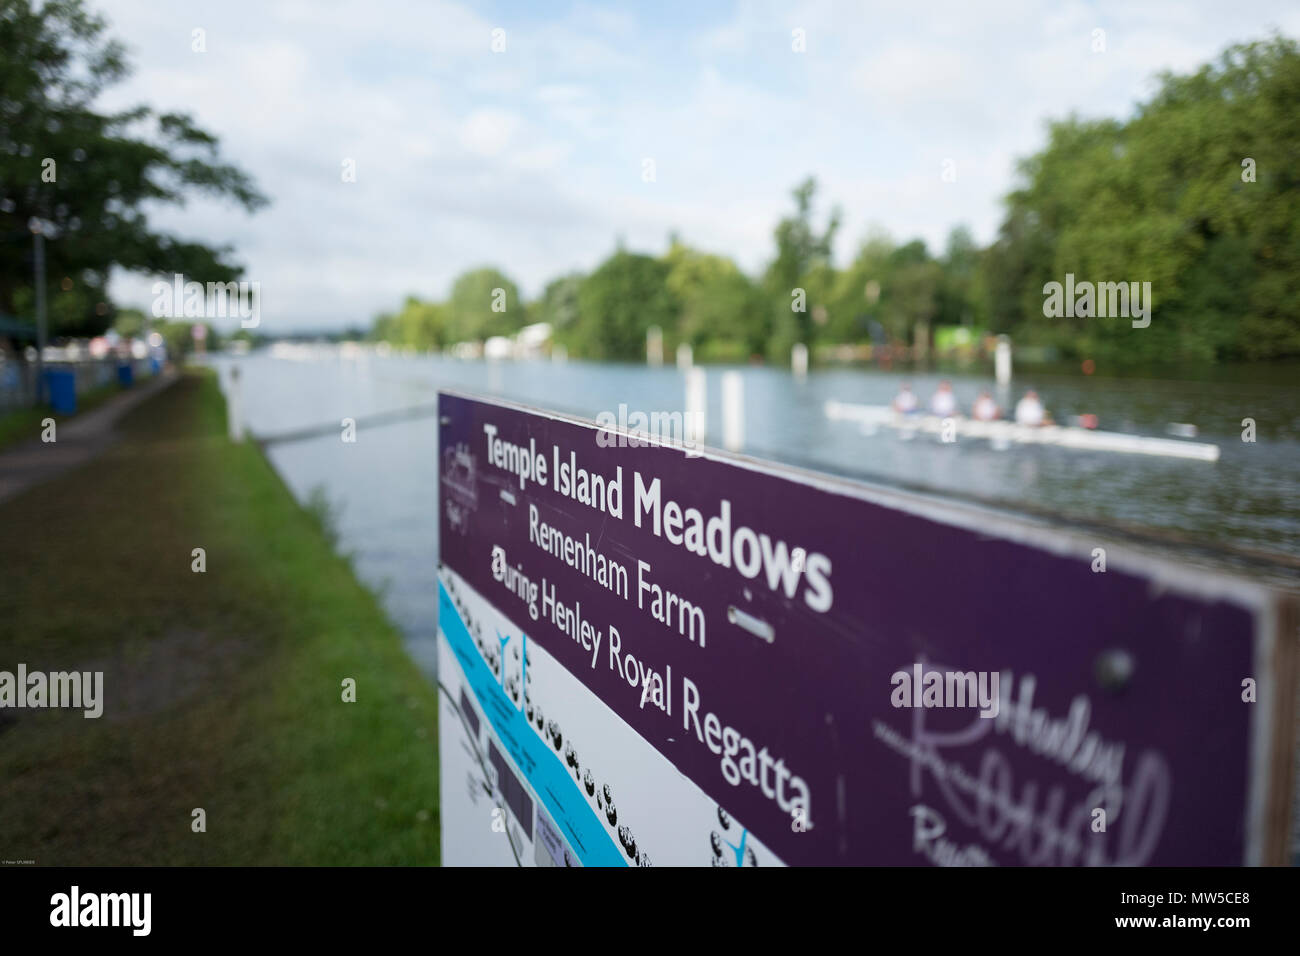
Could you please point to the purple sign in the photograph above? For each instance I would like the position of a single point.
(859, 676)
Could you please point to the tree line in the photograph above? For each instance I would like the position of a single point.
(1197, 193)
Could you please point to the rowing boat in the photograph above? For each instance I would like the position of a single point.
(1005, 433)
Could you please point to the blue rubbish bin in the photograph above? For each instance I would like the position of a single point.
(125, 374)
(61, 385)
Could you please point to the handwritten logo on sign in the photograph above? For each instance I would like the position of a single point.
(1042, 824)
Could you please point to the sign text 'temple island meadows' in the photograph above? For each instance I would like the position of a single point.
(753, 554)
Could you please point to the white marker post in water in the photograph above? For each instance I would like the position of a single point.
(697, 401)
(1002, 360)
(733, 411)
(799, 361)
(234, 408)
(654, 346)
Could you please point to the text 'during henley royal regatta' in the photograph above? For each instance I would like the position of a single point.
(655, 657)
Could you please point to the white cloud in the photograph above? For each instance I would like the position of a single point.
(488, 132)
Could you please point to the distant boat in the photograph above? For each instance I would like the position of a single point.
(1007, 433)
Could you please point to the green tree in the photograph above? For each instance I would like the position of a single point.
(559, 303)
(1168, 198)
(799, 250)
(177, 334)
(856, 298)
(1009, 269)
(91, 175)
(484, 302)
(417, 325)
(912, 299)
(957, 300)
(619, 302)
(129, 323)
(723, 313)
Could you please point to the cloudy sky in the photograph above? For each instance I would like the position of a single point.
(534, 158)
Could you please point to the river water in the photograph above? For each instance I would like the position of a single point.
(384, 486)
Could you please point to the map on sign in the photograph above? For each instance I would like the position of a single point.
(649, 657)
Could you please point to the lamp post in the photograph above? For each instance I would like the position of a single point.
(38, 232)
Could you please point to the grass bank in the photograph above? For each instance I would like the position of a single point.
(222, 689)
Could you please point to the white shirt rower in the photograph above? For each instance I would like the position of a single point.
(1030, 411)
(985, 409)
(943, 402)
(905, 400)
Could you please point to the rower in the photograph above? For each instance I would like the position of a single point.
(943, 402)
(985, 408)
(905, 401)
(1030, 411)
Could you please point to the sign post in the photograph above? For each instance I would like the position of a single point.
(661, 655)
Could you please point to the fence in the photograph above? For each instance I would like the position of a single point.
(18, 378)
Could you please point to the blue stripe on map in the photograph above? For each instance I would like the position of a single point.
(541, 765)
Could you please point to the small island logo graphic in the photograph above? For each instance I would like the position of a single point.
(460, 486)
